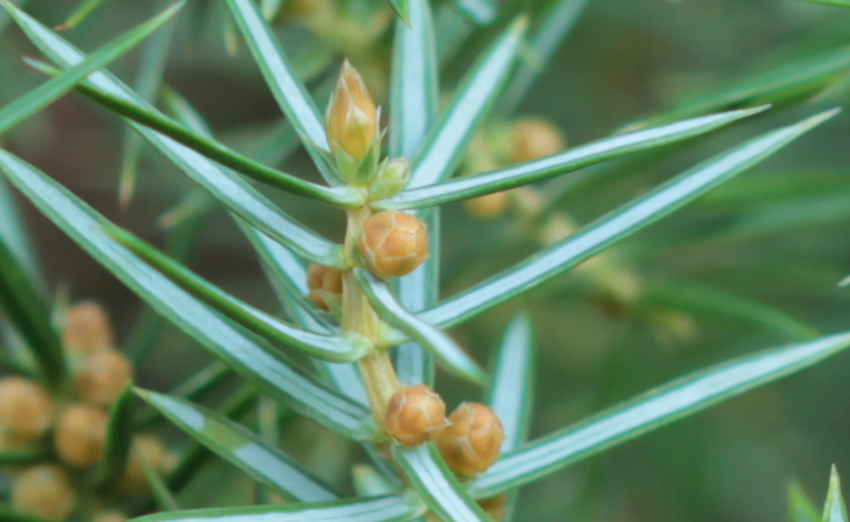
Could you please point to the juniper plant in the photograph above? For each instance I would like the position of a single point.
(367, 312)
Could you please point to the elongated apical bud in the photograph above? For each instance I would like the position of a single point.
(535, 138)
(392, 176)
(351, 118)
(325, 286)
(393, 243)
(87, 329)
(44, 491)
(415, 414)
(102, 376)
(472, 443)
(81, 435)
(26, 410)
(153, 451)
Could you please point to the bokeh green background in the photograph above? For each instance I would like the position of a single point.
(778, 236)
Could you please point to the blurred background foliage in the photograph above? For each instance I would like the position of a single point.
(754, 264)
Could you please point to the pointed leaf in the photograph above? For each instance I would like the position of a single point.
(249, 356)
(14, 234)
(834, 509)
(512, 393)
(159, 490)
(401, 9)
(763, 86)
(155, 54)
(482, 12)
(552, 28)
(800, 508)
(281, 79)
(289, 279)
(193, 458)
(436, 484)
(369, 483)
(452, 358)
(80, 13)
(656, 408)
(380, 509)
(50, 91)
(242, 448)
(25, 456)
(181, 242)
(557, 164)
(232, 190)
(22, 305)
(206, 379)
(338, 348)
(418, 291)
(106, 90)
(615, 226)
(716, 303)
(414, 88)
(447, 140)
(838, 3)
(119, 438)
(10, 515)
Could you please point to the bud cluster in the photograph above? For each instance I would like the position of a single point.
(469, 440)
(76, 423)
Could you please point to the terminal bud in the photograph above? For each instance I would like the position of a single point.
(393, 244)
(472, 442)
(415, 414)
(351, 121)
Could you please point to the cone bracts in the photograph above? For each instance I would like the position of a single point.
(325, 286)
(415, 414)
(393, 244)
(472, 442)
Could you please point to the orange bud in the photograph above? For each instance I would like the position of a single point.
(351, 119)
(81, 435)
(323, 282)
(153, 452)
(472, 443)
(102, 377)
(87, 329)
(494, 507)
(43, 491)
(25, 408)
(393, 243)
(535, 138)
(487, 207)
(415, 414)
